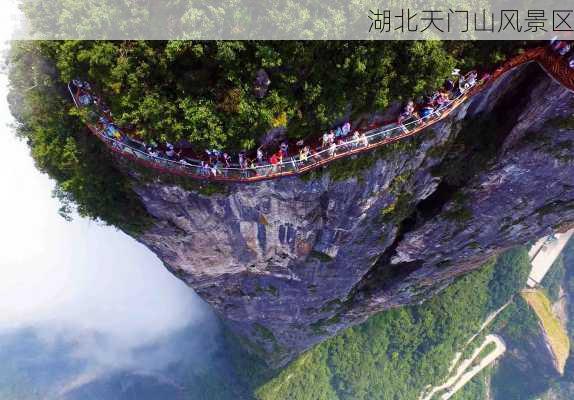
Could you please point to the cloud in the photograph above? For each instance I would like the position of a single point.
(79, 282)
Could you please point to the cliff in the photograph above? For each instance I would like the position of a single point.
(290, 262)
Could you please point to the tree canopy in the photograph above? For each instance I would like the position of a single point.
(396, 353)
(203, 92)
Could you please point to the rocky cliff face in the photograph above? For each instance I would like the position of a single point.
(290, 262)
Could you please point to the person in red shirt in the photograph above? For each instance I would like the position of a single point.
(275, 160)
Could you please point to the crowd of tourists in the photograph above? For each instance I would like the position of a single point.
(341, 139)
(563, 49)
(216, 162)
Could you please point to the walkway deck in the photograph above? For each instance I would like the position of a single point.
(553, 64)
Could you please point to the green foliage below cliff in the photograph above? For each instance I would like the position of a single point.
(522, 374)
(476, 389)
(395, 354)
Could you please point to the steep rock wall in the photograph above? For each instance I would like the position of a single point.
(289, 262)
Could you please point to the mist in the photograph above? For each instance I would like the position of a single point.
(80, 292)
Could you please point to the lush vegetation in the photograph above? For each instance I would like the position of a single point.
(512, 271)
(554, 278)
(521, 375)
(476, 389)
(395, 354)
(277, 19)
(203, 92)
(86, 177)
(515, 378)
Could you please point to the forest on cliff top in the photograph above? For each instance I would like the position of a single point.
(203, 92)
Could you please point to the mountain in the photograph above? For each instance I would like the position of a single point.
(290, 262)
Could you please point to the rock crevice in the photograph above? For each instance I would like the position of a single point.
(289, 262)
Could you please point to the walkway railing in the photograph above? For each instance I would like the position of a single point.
(552, 64)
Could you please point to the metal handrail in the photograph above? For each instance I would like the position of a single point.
(295, 164)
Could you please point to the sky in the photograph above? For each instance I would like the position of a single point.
(79, 281)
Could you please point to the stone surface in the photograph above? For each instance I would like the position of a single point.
(288, 263)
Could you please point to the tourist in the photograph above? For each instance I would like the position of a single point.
(85, 99)
(470, 80)
(346, 128)
(561, 47)
(312, 154)
(170, 152)
(226, 160)
(81, 84)
(260, 156)
(112, 132)
(441, 102)
(331, 137)
(304, 154)
(410, 107)
(215, 168)
(242, 160)
(356, 138)
(153, 153)
(284, 149)
(426, 112)
(442, 99)
(449, 85)
(209, 155)
(565, 49)
(274, 161)
(408, 112)
(364, 139)
(461, 86)
(325, 140)
(104, 121)
(205, 168)
(253, 166)
(332, 149)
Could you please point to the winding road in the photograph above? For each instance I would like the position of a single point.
(464, 374)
